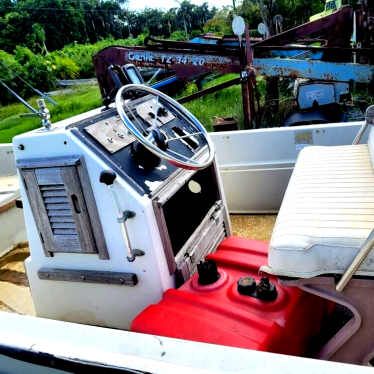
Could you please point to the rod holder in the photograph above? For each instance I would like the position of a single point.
(43, 114)
(107, 177)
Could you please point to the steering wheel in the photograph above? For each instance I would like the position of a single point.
(154, 141)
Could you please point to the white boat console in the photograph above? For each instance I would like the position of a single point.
(119, 207)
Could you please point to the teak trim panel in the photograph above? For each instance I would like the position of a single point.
(60, 195)
(89, 276)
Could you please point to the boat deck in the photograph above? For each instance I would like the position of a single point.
(9, 188)
(258, 227)
(15, 296)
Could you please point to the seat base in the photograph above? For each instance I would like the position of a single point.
(354, 343)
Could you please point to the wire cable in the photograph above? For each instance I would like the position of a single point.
(34, 89)
(27, 105)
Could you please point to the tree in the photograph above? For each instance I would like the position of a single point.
(170, 17)
(250, 11)
(49, 25)
(14, 29)
(221, 22)
(130, 18)
(40, 35)
(268, 9)
(62, 21)
(181, 11)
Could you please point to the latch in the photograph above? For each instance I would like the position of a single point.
(217, 211)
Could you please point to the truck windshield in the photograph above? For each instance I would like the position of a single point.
(331, 5)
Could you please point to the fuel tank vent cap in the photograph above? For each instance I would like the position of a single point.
(208, 273)
(266, 290)
(246, 286)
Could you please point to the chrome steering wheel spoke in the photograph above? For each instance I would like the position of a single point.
(152, 140)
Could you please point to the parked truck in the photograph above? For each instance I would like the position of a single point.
(330, 7)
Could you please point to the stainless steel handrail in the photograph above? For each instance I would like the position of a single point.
(121, 218)
(360, 133)
(358, 260)
(369, 119)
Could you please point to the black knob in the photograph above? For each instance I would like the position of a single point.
(107, 176)
(266, 291)
(246, 286)
(208, 273)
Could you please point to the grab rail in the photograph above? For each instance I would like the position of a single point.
(107, 177)
(369, 120)
(357, 261)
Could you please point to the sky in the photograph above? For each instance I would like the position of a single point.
(167, 4)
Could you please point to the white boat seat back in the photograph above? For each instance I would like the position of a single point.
(327, 213)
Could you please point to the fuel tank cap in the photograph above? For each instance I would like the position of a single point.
(208, 273)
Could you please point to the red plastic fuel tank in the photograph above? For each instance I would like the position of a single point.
(219, 314)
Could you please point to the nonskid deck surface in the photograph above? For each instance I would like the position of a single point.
(257, 226)
(15, 295)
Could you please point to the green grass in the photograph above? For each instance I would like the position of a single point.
(69, 105)
(225, 103)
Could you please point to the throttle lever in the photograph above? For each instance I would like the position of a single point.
(107, 177)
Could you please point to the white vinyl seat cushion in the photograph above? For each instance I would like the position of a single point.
(327, 213)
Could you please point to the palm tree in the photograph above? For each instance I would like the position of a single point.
(183, 17)
(130, 18)
(169, 17)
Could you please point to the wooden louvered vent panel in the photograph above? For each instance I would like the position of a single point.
(59, 212)
(64, 212)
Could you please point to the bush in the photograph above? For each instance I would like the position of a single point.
(191, 88)
(179, 36)
(65, 68)
(23, 55)
(42, 71)
(195, 33)
(8, 78)
(40, 74)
